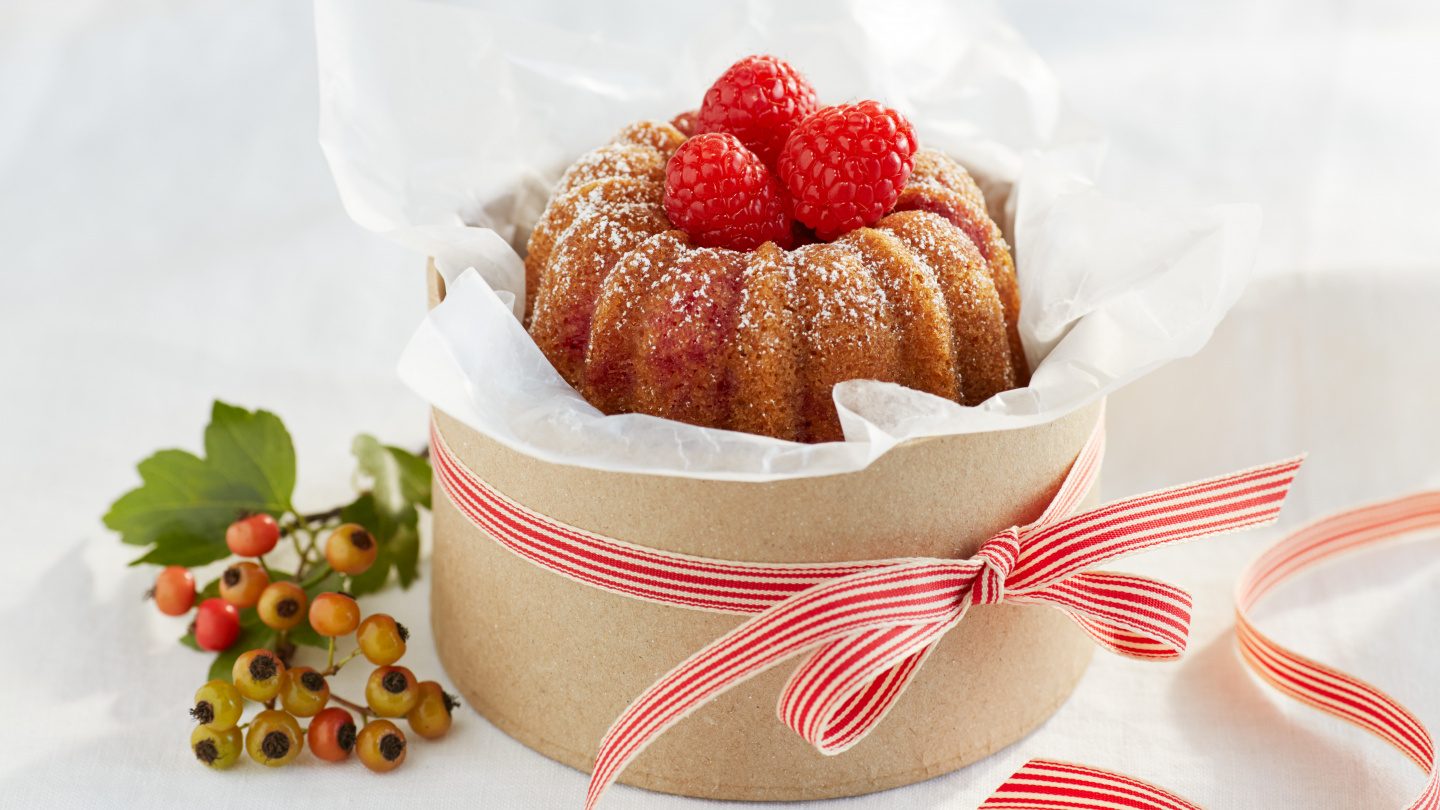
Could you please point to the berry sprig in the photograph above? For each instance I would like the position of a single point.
(274, 597)
(783, 160)
(274, 737)
(267, 675)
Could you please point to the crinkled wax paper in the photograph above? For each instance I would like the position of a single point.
(446, 124)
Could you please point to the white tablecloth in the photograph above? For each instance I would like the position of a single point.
(140, 278)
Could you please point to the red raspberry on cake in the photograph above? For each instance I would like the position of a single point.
(759, 100)
(722, 195)
(844, 166)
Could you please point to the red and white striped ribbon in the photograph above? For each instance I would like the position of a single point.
(1043, 784)
(867, 626)
(1312, 682)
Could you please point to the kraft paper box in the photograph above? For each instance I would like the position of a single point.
(452, 149)
(553, 662)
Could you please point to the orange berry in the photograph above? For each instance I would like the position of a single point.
(257, 674)
(281, 605)
(381, 746)
(252, 536)
(242, 584)
(174, 591)
(334, 614)
(350, 549)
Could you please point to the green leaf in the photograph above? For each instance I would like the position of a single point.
(415, 476)
(178, 548)
(303, 635)
(256, 448)
(405, 550)
(399, 477)
(383, 470)
(185, 503)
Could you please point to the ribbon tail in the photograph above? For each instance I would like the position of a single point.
(1043, 784)
(1312, 682)
(1216, 506)
(903, 595)
(1131, 615)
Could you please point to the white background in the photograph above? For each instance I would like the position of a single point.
(140, 277)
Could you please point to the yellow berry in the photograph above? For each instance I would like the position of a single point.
(303, 691)
(218, 705)
(391, 691)
(216, 748)
(382, 639)
(281, 606)
(350, 549)
(431, 715)
(274, 738)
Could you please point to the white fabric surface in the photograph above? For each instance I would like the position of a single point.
(169, 234)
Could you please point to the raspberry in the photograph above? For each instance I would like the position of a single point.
(719, 193)
(844, 166)
(759, 100)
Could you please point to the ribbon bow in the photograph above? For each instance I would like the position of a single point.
(868, 626)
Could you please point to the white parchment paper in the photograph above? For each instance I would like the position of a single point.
(445, 125)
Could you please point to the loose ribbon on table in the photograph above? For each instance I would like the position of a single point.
(1312, 682)
(868, 626)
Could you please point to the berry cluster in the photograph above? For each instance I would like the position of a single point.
(280, 603)
(274, 736)
(763, 156)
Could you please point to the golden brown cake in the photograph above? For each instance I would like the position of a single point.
(640, 320)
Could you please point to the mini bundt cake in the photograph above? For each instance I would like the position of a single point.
(641, 321)
(642, 317)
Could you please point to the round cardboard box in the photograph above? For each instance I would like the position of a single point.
(553, 662)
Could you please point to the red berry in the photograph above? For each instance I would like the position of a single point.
(217, 625)
(720, 194)
(252, 536)
(332, 735)
(844, 166)
(759, 100)
(174, 591)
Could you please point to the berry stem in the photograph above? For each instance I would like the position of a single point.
(321, 571)
(295, 540)
(335, 667)
(364, 711)
(310, 546)
(330, 655)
